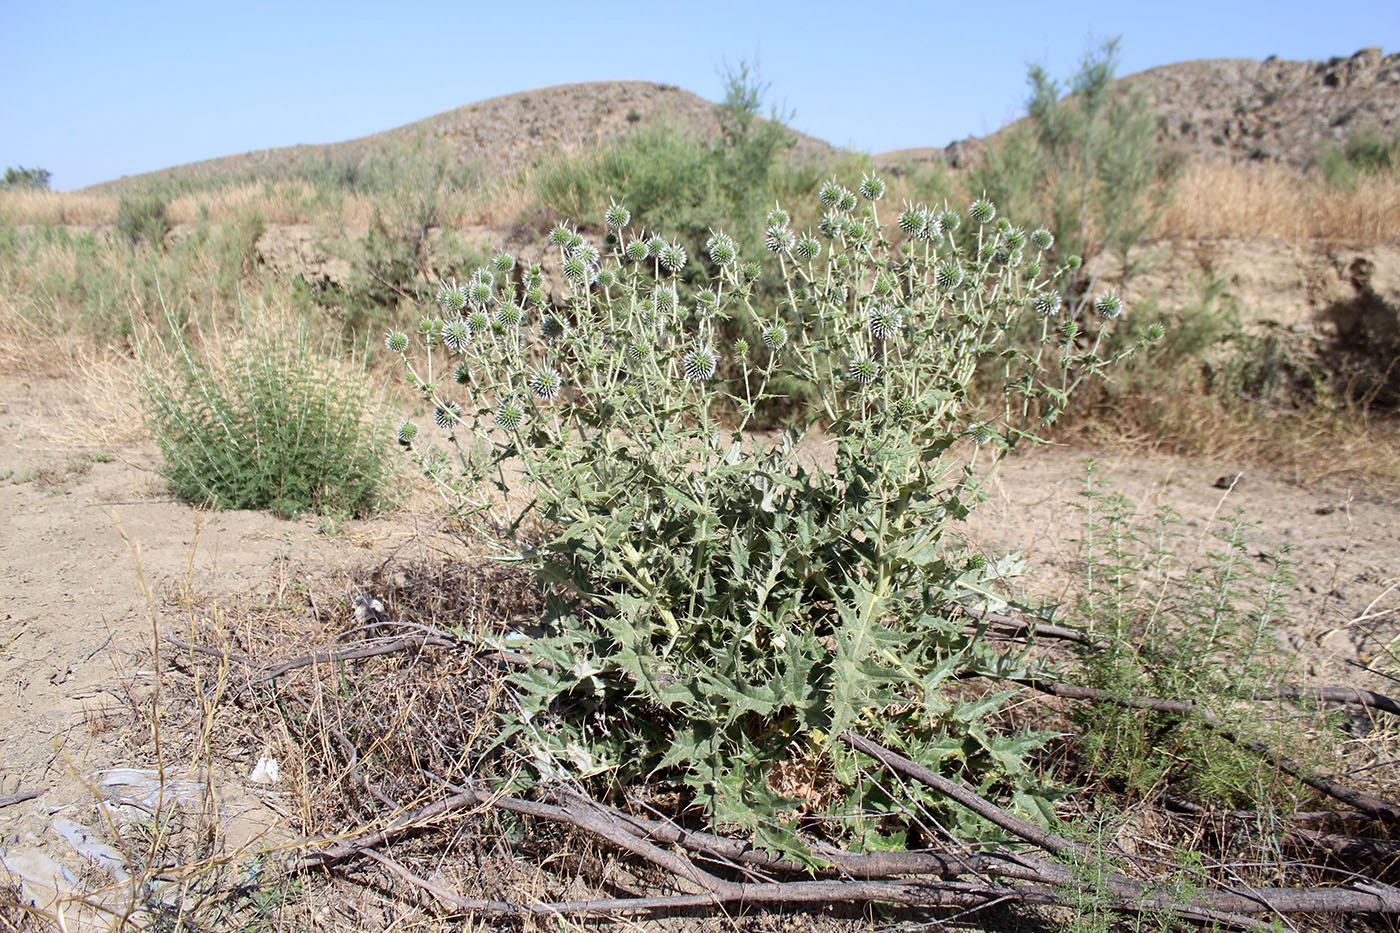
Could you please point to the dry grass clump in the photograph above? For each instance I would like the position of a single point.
(1222, 199)
(37, 206)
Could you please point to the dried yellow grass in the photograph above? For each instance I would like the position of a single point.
(36, 206)
(1219, 199)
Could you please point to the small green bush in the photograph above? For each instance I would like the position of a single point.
(141, 218)
(17, 176)
(275, 426)
(1367, 152)
(721, 609)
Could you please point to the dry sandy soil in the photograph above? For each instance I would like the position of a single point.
(93, 548)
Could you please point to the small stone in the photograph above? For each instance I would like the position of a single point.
(1229, 481)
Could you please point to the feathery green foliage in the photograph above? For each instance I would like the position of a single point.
(275, 425)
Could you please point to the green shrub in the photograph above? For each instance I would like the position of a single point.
(1367, 152)
(275, 426)
(141, 219)
(720, 607)
(17, 176)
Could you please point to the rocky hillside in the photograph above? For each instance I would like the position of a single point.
(1240, 108)
(497, 135)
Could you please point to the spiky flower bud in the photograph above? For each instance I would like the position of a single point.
(587, 252)
(617, 216)
(664, 299)
(949, 275)
(751, 270)
(1003, 225)
(396, 341)
(807, 248)
(1155, 331)
(656, 244)
(778, 217)
(903, 406)
(706, 301)
(462, 374)
(636, 351)
(949, 220)
(478, 292)
(447, 415)
(636, 251)
(912, 220)
(779, 239)
(534, 277)
(510, 315)
(884, 321)
(846, 201)
(1042, 239)
(980, 433)
(406, 433)
(721, 249)
(858, 233)
(863, 371)
(561, 234)
(982, 211)
(884, 285)
(509, 415)
(551, 327)
(832, 224)
(450, 297)
(545, 383)
(503, 262)
(1109, 305)
(1015, 239)
(477, 322)
(606, 278)
(1074, 262)
(699, 364)
(673, 257)
(576, 270)
(537, 297)
(1032, 269)
(829, 194)
(574, 242)
(1046, 303)
(456, 335)
(774, 336)
(872, 187)
(741, 348)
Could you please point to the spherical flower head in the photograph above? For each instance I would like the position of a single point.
(1003, 225)
(903, 407)
(884, 321)
(1073, 262)
(574, 242)
(1042, 239)
(607, 278)
(884, 285)
(699, 364)
(503, 262)
(551, 327)
(510, 315)
(406, 433)
(1109, 305)
(982, 211)
(427, 326)
(832, 224)
(672, 257)
(751, 270)
(585, 251)
(664, 299)
(846, 201)
(617, 216)
(656, 244)
(949, 220)
(545, 383)
(774, 336)
(447, 415)
(456, 335)
(912, 220)
(863, 371)
(721, 249)
(779, 239)
(706, 301)
(807, 248)
(636, 351)
(462, 374)
(1015, 239)
(509, 415)
(778, 217)
(450, 297)
(741, 348)
(575, 270)
(829, 194)
(872, 187)
(636, 251)
(396, 341)
(536, 297)
(980, 433)
(561, 234)
(948, 275)
(1046, 303)
(1155, 331)
(858, 233)
(477, 322)
(1032, 269)
(478, 292)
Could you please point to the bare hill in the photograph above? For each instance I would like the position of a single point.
(1240, 108)
(498, 135)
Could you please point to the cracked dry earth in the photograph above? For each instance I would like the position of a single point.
(87, 531)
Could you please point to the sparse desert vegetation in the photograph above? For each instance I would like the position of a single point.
(640, 538)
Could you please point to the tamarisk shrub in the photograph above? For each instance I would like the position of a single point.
(721, 606)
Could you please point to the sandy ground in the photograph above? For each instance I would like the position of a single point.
(91, 546)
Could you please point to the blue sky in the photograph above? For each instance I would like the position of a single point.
(95, 90)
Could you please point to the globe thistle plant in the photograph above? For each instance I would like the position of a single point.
(699, 364)
(447, 414)
(774, 336)
(872, 187)
(636, 251)
(617, 216)
(503, 263)
(406, 433)
(1042, 239)
(456, 335)
(779, 240)
(1109, 305)
(863, 371)
(884, 322)
(982, 211)
(462, 373)
(672, 257)
(477, 322)
(778, 217)
(807, 248)
(396, 341)
(509, 415)
(545, 383)
(721, 249)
